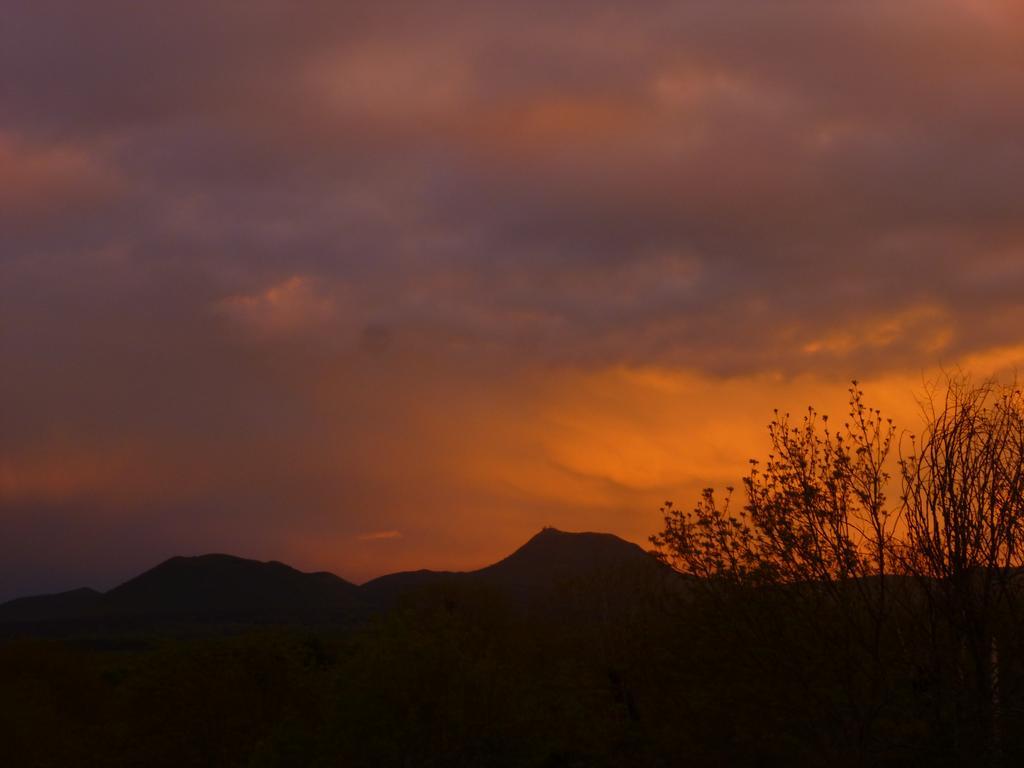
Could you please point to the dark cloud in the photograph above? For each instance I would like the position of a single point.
(317, 267)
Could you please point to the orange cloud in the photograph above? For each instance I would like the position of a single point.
(40, 178)
(294, 304)
(553, 124)
(927, 329)
(379, 536)
(62, 471)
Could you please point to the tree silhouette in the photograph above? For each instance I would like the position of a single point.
(925, 586)
(963, 500)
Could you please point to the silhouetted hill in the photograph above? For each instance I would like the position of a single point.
(58, 607)
(384, 590)
(211, 588)
(551, 560)
(207, 588)
(228, 587)
(554, 555)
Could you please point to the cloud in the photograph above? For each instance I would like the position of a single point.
(276, 277)
(291, 305)
(379, 536)
(47, 179)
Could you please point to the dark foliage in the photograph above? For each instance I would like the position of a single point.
(900, 620)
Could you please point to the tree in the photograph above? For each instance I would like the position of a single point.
(925, 586)
(806, 558)
(815, 512)
(963, 501)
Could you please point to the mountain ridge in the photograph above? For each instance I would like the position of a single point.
(222, 587)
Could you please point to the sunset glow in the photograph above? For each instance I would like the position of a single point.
(373, 287)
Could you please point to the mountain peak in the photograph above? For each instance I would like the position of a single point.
(592, 541)
(552, 554)
(226, 585)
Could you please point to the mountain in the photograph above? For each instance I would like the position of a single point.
(228, 587)
(552, 556)
(384, 591)
(551, 560)
(224, 588)
(61, 606)
(207, 588)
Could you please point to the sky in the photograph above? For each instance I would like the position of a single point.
(373, 286)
